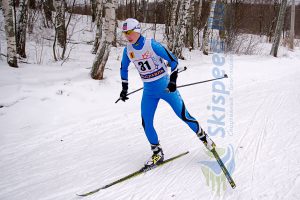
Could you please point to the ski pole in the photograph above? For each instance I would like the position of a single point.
(225, 76)
(185, 68)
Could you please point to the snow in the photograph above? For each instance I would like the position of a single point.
(61, 132)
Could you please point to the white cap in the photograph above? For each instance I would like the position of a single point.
(131, 24)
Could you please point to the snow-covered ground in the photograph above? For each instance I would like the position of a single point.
(61, 132)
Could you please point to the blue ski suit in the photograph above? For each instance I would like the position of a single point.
(147, 56)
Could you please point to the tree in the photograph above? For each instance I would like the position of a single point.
(21, 28)
(47, 6)
(198, 20)
(99, 13)
(93, 4)
(109, 24)
(278, 29)
(190, 25)
(208, 27)
(145, 7)
(181, 29)
(10, 33)
(292, 29)
(172, 27)
(272, 24)
(60, 29)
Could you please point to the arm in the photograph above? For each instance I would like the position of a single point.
(124, 75)
(124, 66)
(163, 52)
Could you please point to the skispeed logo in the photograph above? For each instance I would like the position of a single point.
(220, 120)
(220, 94)
(213, 174)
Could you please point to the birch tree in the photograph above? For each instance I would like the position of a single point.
(292, 29)
(190, 25)
(60, 30)
(181, 29)
(278, 29)
(21, 28)
(99, 13)
(208, 29)
(59, 6)
(171, 31)
(7, 9)
(199, 20)
(105, 44)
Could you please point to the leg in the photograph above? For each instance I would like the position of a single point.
(177, 104)
(148, 107)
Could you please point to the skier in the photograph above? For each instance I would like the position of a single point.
(147, 56)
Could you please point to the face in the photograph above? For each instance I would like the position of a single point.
(131, 36)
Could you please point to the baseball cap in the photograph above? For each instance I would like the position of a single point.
(131, 24)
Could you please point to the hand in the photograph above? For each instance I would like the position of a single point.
(172, 84)
(123, 95)
(171, 87)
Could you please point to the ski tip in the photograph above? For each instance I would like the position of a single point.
(84, 195)
(233, 185)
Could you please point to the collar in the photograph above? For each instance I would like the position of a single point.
(139, 43)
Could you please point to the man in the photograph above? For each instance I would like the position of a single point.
(147, 56)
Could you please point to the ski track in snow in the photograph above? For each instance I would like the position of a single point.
(261, 127)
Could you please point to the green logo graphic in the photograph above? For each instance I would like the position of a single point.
(214, 176)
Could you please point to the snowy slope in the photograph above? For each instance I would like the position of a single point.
(61, 132)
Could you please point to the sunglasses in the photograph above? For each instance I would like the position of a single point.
(128, 32)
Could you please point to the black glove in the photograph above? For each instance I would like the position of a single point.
(123, 94)
(172, 84)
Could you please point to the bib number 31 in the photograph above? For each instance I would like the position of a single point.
(144, 65)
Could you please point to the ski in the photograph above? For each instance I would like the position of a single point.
(134, 174)
(225, 171)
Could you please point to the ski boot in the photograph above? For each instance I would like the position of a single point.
(208, 143)
(157, 157)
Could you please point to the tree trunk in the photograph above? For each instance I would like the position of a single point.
(99, 26)
(181, 29)
(208, 29)
(190, 26)
(60, 41)
(271, 29)
(93, 4)
(47, 5)
(21, 28)
(199, 20)
(101, 57)
(7, 7)
(145, 10)
(278, 29)
(60, 22)
(292, 29)
(172, 30)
